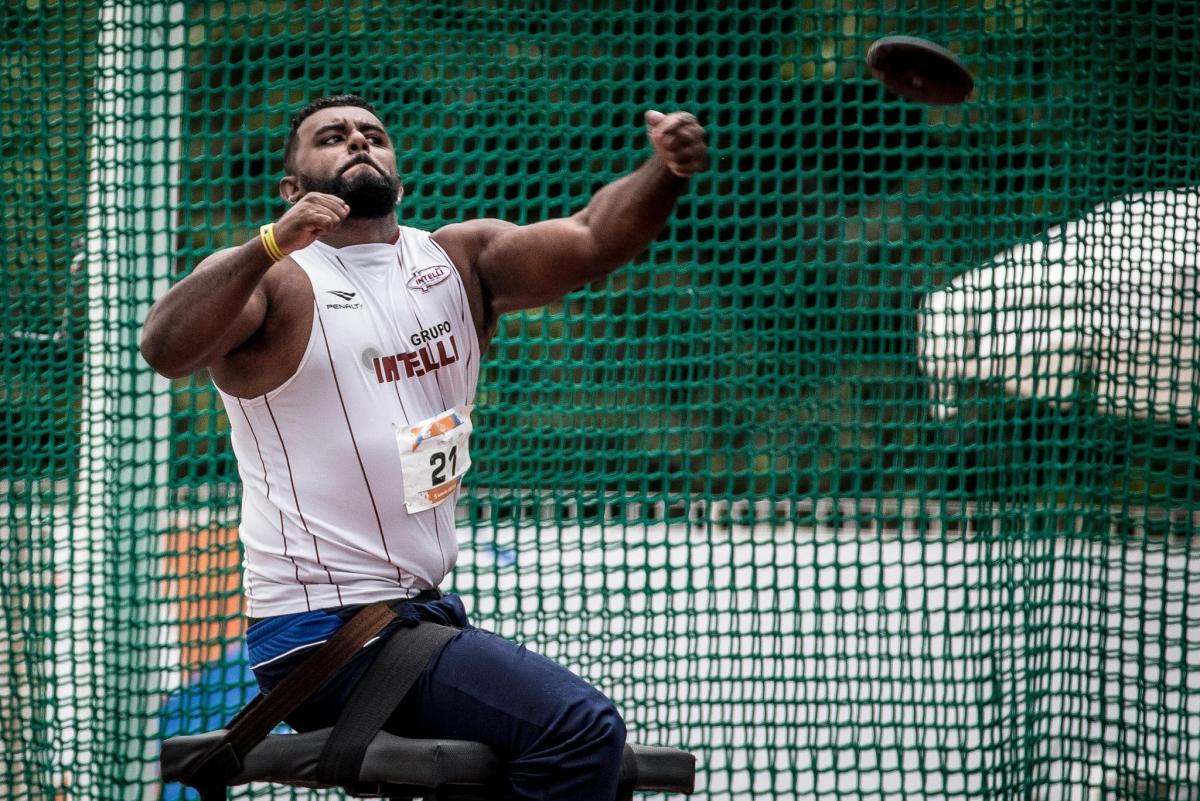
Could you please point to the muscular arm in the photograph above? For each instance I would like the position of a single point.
(223, 302)
(519, 267)
(207, 314)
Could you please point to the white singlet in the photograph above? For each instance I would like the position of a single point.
(327, 518)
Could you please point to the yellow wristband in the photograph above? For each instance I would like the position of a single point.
(267, 234)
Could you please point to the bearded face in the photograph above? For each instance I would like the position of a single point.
(368, 191)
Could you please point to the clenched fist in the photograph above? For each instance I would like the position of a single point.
(315, 215)
(678, 140)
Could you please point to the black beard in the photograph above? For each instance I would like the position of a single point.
(369, 193)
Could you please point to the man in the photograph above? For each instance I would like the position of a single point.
(347, 349)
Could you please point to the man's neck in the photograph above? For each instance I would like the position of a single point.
(363, 231)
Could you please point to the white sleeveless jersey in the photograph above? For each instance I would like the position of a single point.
(324, 517)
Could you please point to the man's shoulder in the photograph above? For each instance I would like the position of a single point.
(463, 242)
(481, 229)
(286, 275)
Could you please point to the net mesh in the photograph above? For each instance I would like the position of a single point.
(876, 477)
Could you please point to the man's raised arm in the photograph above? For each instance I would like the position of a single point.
(520, 267)
(222, 302)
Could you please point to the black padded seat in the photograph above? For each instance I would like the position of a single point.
(401, 768)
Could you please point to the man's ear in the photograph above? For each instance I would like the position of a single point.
(399, 194)
(289, 188)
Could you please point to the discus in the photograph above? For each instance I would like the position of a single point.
(920, 70)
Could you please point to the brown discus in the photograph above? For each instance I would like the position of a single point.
(920, 70)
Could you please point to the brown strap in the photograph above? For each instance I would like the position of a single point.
(260, 716)
(250, 726)
(248, 729)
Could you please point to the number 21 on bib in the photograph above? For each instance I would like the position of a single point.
(434, 456)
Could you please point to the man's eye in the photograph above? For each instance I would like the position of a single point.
(375, 140)
(330, 139)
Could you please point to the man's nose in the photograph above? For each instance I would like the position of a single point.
(357, 142)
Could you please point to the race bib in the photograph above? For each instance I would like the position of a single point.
(434, 456)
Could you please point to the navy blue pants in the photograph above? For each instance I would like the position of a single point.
(559, 736)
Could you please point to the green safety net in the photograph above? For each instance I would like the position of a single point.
(874, 478)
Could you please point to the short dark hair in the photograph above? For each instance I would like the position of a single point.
(329, 101)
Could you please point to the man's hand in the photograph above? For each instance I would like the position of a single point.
(315, 215)
(678, 140)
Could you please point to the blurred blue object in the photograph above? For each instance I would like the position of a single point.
(206, 702)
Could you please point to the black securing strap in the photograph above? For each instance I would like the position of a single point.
(248, 728)
(213, 792)
(376, 696)
(210, 774)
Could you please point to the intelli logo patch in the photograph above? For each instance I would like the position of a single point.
(426, 277)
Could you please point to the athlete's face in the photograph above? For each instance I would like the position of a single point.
(345, 151)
